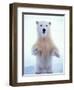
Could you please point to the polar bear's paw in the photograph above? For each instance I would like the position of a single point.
(35, 51)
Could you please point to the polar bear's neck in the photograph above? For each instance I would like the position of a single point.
(44, 39)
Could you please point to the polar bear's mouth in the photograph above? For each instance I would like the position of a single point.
(44, 30)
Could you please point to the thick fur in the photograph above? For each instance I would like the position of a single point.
(44, 48)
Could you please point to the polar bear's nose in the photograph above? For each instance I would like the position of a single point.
(44, 30)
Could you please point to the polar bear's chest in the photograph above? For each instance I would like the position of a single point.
(45, 47)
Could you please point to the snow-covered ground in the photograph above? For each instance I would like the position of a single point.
(57, 67)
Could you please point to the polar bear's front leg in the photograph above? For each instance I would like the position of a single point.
(55, 52)
(36, 50)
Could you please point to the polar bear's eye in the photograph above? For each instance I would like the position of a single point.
(46, 25)
(41, 25)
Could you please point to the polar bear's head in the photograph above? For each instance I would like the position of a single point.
(43, 28)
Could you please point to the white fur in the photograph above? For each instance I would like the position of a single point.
(39, 28)
(44, 61)
(43, 65)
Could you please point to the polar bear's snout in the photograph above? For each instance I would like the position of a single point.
(44, 30)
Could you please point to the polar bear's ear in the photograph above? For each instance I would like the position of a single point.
(37, 22)
(49, 23)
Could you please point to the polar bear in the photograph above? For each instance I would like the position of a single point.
(44, 48)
